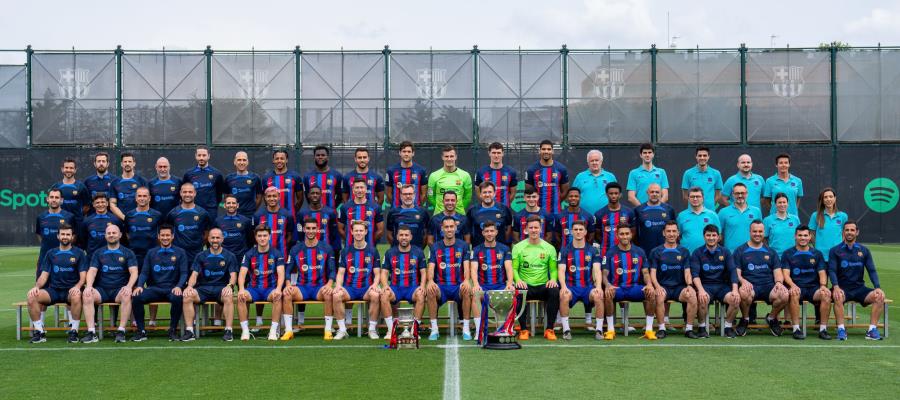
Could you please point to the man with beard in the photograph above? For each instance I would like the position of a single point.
(75, 196)
(61, 276)
(327, 179)
(406, 172)
(123, 188)
(550, 177)
(164, 189)
(208, 182)
(102, 180)
(374, 182)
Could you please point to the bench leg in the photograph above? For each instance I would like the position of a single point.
(451, 313)
(532, 315)
(363, 309)
(885, 316)
(19, 323)
(803, 316)
(722, 320)
(197, 329)
(99, 321)
(625, 322)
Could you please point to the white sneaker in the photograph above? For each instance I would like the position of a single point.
(152, 323)
(341, 335)
(273, 334)
(387, 336)
(373, 334)
(245, 336)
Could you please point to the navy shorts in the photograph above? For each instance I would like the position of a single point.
(402, 293)
(673, 292)
(857, 294)
(58, 296)
(309, 292)
(356, 294)
(761, 293)
(210, 293)
(630, 293)
(448, 293)
(496, 286)
(259, 294)
(108, 295)
(580, 294)
(717, 292)
(807, 293)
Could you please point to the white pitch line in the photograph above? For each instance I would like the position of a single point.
(451, 370)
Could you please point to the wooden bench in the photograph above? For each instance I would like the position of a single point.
(23, 325)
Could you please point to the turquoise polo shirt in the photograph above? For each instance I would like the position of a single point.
(829, 235)
(593, 189)
(709, 180)
(736, 224)
(754, 184)
(639, 179)
(780, 231)
(691, 225)
(793, 188)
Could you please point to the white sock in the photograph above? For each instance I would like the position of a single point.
(872, 327)
(301, 318)
(477, 326)
(329, 321)
(74, 324)
(688, 327)
(727, 324)
(822, 327)
(152, 322)
(703, 324)
(649, 325)
(587, 319)
(610, 322)
(372, 325)
(121, 328)
(389, 321)
(288, 322)
(565, 323)
(599, 325)
(68, 314)
(38, 325)
(42, 315)
(274, 326)
(666, 319)
(245, 325)
(189, 329)
(841, 326)
(434, 325)
(662, 326)
(342, 325)
(348, 315)
(259, 320)
(466, 325)
(796, 327)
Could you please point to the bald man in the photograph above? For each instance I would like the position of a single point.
(244, 185)
(164, 189)
(111, 274)
(745, 175)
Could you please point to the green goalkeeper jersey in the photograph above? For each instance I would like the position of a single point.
(534, 264)
(441, 181)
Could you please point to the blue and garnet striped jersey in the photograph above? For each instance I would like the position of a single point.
(288, 184)
(75, 196)
(670, 265)
(405, 269)
(491, 263)
(434, 227)
(330, 182)
(650, 220)
(314, 265)
(369, 212)
(624, 267)
(281, 223)
(141, 228)
(165, 194)
(497, 213)
(262, 267)
(47, 224)
(504, 180)
(210, 186)
(93, 230)
(416, 219)
(757, 265)
(803, 266)
(237, 232)
(361, 266)
(548, 223)
(326, 220)
(191, 225)
(606, 222)
(579, 264)
(214, 269)
(64, 267)
(244, 187)
(374, 183)
(847, 266)
(397, 177)
(449, 261)
(113, 267)
(713, 267)
(124, 190)
(165, 267)
(547, 181)
(566, 218)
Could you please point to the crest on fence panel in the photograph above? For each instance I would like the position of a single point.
(787, 81)
(431, 83)
(74, 83)
(254, 83)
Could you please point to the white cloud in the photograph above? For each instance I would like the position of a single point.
(878, 20)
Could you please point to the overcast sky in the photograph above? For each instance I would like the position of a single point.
(457, 24)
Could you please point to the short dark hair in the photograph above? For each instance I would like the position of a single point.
(485, 184)
(711, 228)
(647, 146)
(448, 148)
(285, 152)
(165, 226)
(404, 228)
(801, 227)
(573, 189)
(51, 190)
(532, 218)
(262, 228)
(65, 227)
(851, 222)
(546, 142)
(623, 226)
(453, 192)
(101, 153)
(612, 185)
(701, 148)
(742, 185)
(579, 222)
(495, 145)
(224, 198)
(361, 150)
(69, 160)
(780, 195)
(488, 224)
(406, 143)
(322, 147)
(529, 189)
(756, 222)
(201, 147)
(782, 155)
(126, 154)
(671, 222)
(101, 195)
(310, 220)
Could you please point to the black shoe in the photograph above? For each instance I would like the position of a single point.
(798, 334)
(774, 327)
(188, 336)
(73, 336)
(741, 329)
(228, 335)
(38, 337)
(139, 336)
(661, 334)
(690, 334)
(90, 337)
(173, 335)
(824, 335)
(120, 336)
(729, 333)
(703, 333)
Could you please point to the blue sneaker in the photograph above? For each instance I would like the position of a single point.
(872, 334)
(842, 334)
(468, 336)
(434, 336)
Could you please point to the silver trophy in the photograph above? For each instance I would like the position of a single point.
(501, 301)
(408, 336)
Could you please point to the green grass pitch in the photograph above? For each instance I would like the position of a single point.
(756, 366)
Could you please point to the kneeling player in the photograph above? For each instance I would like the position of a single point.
(213, 275)
(265, 266)
(62, 274)
(759, 271)
(579, 277)
(448, 276)
(847, 264)
(313, 263)
(712, 270)
(114, 269)
(356, 279)
(403, 277)
(165, 273)
(803, 267)
(491, 269)
(625, 274)
(670, 273)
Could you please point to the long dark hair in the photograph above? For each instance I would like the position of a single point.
(820, 215)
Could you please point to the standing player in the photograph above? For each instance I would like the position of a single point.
(571, 214)
(780, 226)
(102, 180)
(406, 172)
(164, 189)
(410, 215)
(847, 265)
(735, 219)
(288, 183)
(754, 183)
(491, 264)
(626, 278)
(704, 177)
(403, 277)
(61, 276)
(535, 270)
(325, 217)
(650, 219)
(435, 231)
(783, 182)
(670, 274)
(114, 271)
(213, 276)
(261, 278)
(610, 217)
(279, 220)
(360, 209)
(357, 270)
(123, 188)
(550, 178)
(448, 278)
(645, 174)
(208, 182)
(579, 278)
(245, 186)
(374, 182)
(715, 279)
(327, 179)
(165, 272)
(449, 178)
(48, 222)
(75, 196)
(191, 222)
(489, 210)
(93, 228)
(827, 222)
(692, 220)
(313, 262)
(236, 228)
(592, 183)
(503, 177)
(804, 272)
(759, 271)
(532, 207)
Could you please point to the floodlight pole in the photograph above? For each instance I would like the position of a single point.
(29, 120)
(118, 140)
(564, 54)
(743, 111)
(653, 127)
(208, 54)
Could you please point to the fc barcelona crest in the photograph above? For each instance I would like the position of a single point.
(368, 259)
(62, 221)
(149, 219)
(678, 258)
(72, 260)
(249, 181)
(812, 260)
(221, 263)
(663, 215)
(238, 225)
(634, 260)
(210, 176)
(859, 254)
(766, 258)
(121, 259)
(721, 258)
(173, 258)
(196, 218)
(271, 261)
(319, 257)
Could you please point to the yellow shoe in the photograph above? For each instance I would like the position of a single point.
(328, 335)
(649, 335)
(288, 335)
(524, 334)
(610, 334)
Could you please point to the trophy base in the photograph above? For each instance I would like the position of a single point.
(495, 342)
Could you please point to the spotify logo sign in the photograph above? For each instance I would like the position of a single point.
(881, 195)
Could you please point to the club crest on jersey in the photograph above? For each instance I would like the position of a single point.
(329, 181)
(196, 218)
(368, 213)
(542, 256)
(504, 178)
(634, 260)
(271, 261)
(458, 182)
(721, 258)
(62, 221)
(812, 260)
(210, 176)
(859, 254)
(497, 215)
(352, 269)
(304, 267)
(121, 259)
(555, 175)
(678, 258)
(149, 219)
(72, 260)
(222, 263)
(572, 268)
(74, 192)
(238, 225)
(280, 221)
(287, 181)
(766, 258)
(134, 185)
(319, 257)
(368, 259)
(663, 215)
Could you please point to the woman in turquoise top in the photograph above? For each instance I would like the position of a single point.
(827, 223)
(781, 226)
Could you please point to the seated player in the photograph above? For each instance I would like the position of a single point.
(313, 262)
(261, 278)
(804, 268)
(670, 273)
(847, 264)
(114, 271)
(759, 272)
(625, 277)
(62, 274)
(403, 276)
(356, 279)
(714, 277)
(213, 276)
(579, 277)
(534, 270)
(164, 273)
(448, 276)
(491, 269)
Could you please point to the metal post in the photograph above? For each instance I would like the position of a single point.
(475, 53)
(834, 136)
(653, 128)
(387, 94)
(298, 138)
(118, 140)
(29, 122)
(743, 113)
(564, 54)
(208, 53)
